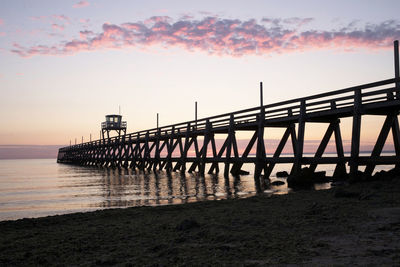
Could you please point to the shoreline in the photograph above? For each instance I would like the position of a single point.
(355, 224)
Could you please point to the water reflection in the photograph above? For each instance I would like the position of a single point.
(126, 187)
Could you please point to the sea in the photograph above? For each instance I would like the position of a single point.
(32, 188)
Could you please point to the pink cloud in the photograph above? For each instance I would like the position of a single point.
(81, 4)
(2, 34)
(224, 37)
(57, 27)
(1, 21)
(62, 18)
(84, 21)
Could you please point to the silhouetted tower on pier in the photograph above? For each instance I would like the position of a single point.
(113, 123)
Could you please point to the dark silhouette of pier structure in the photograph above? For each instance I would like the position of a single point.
(168, 147)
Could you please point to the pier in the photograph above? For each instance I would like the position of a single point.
(167, 147)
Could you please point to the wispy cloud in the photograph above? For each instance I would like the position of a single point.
(225, 37)
(62, 18)
(57, 27)
(38, 18)
(1, 21)
(81, 4)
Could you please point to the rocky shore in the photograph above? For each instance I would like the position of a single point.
(352, 224)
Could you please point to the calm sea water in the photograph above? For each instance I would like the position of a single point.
(41, 187)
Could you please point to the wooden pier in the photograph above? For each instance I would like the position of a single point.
(168, 147)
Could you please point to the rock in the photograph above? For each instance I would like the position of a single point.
(276, 183)
(187, 224)
(307, 178)
(282, 174)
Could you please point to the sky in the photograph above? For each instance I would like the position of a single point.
(66, 64)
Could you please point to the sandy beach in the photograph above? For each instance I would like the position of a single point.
(357, 224)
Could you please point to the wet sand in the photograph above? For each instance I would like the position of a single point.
(356, 224)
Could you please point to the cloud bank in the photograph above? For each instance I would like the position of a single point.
(224, 37)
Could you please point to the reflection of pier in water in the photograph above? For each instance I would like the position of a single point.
(126, 187)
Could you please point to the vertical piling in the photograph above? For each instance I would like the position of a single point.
(396, 68)
(300, 139)
(355, 135)
(195, 113)
(260, 154)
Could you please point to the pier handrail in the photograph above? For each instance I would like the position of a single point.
(314, 103)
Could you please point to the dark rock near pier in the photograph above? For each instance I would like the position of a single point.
(282, 174)
(307, 178)
(276, 183)
(243, 172)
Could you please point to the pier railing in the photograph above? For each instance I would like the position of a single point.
(371, 95)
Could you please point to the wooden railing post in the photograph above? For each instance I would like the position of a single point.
(206, 140)
(260, 154)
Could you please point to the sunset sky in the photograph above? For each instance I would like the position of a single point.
(66, 64)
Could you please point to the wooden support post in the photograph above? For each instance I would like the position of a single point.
(207, 133)
(396, 68)
(238, 165)
(146, 151)
(396, 138)
(127, 152)
(322, 146)
(195, 113)
(340, 169)
(170, 148)
(278, 150)
(158, 149)
(182, 161)
(355, 135)
(260, 154)
(231, 132)
(296, 169)
(214, 165)
(380, 143)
